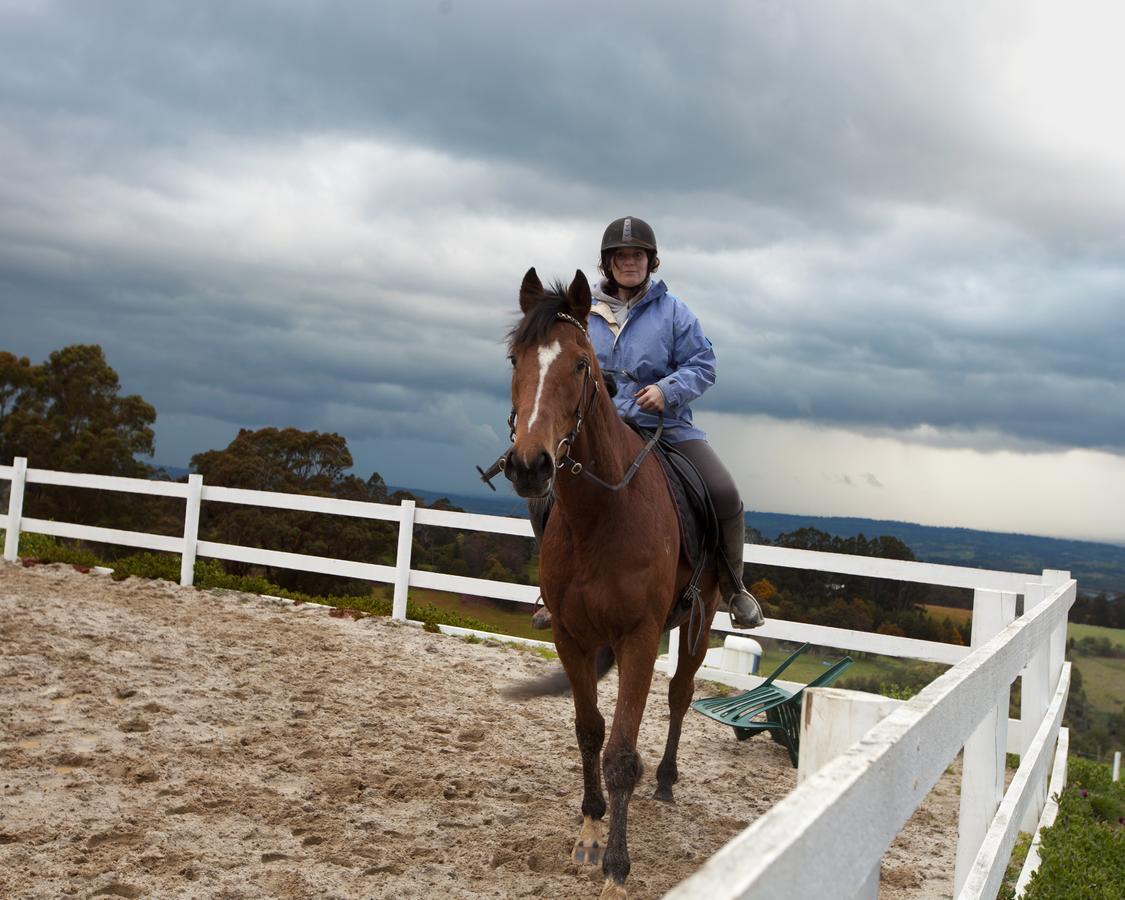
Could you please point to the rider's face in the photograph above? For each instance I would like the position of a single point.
(630, 266)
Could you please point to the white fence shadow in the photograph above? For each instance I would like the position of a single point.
(828, 836)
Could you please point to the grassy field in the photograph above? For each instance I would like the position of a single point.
(1114, 635)
(513, 623)
(953, 613)
(1102, 677)
(810, 664)
(1104, 681)
(1073, 629)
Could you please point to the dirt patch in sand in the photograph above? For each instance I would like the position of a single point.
(158, 741)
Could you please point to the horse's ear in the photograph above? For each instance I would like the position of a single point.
(578, 296)
(531, 291)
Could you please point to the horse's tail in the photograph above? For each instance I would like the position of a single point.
(556, 682)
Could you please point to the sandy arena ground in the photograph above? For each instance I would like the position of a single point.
(158, 741)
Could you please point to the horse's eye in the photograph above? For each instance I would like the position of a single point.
(582, 364)
(512, 360)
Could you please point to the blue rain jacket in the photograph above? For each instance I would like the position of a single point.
(662, 343)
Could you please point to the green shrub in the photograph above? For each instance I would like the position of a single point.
(1083, 853)
(431, 616)
(1015, 866)
(147, 565)
(901, 680)
(49, 549)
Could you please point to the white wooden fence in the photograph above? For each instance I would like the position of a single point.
(828, 836)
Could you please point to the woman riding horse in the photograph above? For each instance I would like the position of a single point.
(655, 349)
(611, 570)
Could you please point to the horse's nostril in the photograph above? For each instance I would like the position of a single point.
(543, 464)
(530, 475)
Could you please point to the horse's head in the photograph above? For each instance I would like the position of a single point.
(554, 379)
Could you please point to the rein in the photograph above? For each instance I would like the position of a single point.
(563, 455)
(562, 452)
(576, 468)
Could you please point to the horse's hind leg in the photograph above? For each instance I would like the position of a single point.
(679, 699)
(589, 726)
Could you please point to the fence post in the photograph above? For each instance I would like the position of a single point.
(15, 509)
(191, 530)
(673, 651)
(1053, 578)
(832, 720)
(1117, 765)
(982, 771)
(402, 560)
(1034, 697)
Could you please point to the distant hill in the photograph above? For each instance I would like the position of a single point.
(502, 503)
(1096, 566)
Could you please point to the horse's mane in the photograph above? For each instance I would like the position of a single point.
(533, 327)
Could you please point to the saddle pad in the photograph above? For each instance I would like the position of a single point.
(698, 526)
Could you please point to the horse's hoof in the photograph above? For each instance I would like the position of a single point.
(587, 855)
(663, 793)
(614, 891)
(541, 620)
(590, 846)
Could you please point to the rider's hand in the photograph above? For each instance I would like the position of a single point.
(650, 399)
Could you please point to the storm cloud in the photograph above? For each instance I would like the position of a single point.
(890, 220)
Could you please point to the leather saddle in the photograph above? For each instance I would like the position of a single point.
(699, 530)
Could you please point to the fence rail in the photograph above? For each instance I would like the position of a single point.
(851, 809)
(846, 813)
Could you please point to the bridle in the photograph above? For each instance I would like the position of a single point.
(562, 451)
(585, 399)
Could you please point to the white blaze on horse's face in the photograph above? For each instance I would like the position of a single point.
(547, 355)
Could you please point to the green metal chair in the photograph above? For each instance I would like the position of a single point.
(769, 707)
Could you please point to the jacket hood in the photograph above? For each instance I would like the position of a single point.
(656, 288)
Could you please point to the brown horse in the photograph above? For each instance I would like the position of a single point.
(610, 565)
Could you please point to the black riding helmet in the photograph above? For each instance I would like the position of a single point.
(627, 232)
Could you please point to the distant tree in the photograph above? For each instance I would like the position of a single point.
(950, 633)
(1099, 610)
(272, 459)
(291, 461)
(763, 590)
(16, 375)
(888, 597)
(288, 460)
(839, 613)
(67, 414)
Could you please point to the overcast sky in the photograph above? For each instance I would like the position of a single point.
(902, 225)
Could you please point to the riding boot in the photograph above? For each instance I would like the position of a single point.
(744, 609)
(538, 510)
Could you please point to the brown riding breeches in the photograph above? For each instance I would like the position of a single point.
(720, 484)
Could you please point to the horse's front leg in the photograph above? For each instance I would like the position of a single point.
(680, 692)
(636, 656)
(589, 726)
